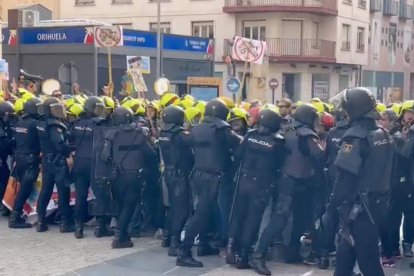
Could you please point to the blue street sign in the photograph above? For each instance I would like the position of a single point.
(134, 38)
(233, 85)
(185, 43)
(58, 35)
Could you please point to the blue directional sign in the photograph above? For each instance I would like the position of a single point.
(233, 85)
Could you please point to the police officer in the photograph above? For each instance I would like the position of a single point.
(53, 137)
(128, 152)
(261, 155)
(6, 145)
(178, 160)
(304, 157)
(364, 165)
(27, 159)
(82, 131)
(331, 219)
(212, 140)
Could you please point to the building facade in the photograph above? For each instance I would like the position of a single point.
(5, 5)
(390, 70)
(315, 48)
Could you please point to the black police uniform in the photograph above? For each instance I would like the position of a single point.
(212, 141)
(261, 154)
(82, 132)
(178, 160)
(55, 149)
(364, 164)
(27, 161)
(304, 157)
(129, 153)
(6, 146)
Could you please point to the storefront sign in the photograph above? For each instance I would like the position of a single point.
(60, 35)
(133, 38)
(185, 43)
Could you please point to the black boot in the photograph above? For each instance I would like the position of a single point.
(17, 222)
(166, 239)
(258, 263)
(102, 228)
(4, 212)
(243, 262)
(230, 257)
(175, 243)
(121, 240)
(41, 225)
(185, 258)
(66, 226)
(78, 230)
(205, 249)
(324, 260)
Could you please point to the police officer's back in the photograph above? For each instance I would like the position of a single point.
(26, 153)
(129, 153)
(53, 137)
(364, 165)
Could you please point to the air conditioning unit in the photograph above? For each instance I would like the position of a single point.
(30, 18)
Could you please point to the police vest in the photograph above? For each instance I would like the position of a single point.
(259, 157)
(46, 144)
(333, 144)
(26, 135)
(210, 150)
(82, 132)
(298, 165)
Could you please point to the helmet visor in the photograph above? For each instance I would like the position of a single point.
(58, 111)
(100, 110)
(339, 100)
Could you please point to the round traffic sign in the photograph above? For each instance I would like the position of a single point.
(248, 50)
(233, 85)
(273, 84)
(108, 36)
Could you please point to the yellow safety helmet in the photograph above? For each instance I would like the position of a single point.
(1, 94)
(78, 99)
(228, 102)
(168, 99)
(237, 113)
(187, 101)
(130, 103)
(191, 114)
(318, 105)
(201, 105)
(108, 102)
(154, 104)
(396, 107)
(140, 110)
(75, 110)
(380, 107)
(407, 106)
(1, 99)
(245, 105)
(23, 93)
(271, 107)
(315, 100)
(19, 105)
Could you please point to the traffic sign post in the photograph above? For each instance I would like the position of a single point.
(233, 86)
(273, 84)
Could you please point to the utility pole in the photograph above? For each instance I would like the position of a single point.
(159, 46)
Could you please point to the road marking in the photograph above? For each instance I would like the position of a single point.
(171, 270)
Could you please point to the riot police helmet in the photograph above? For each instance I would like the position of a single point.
(30, 108)
(6, 109)
(172, 116)
(269, 119)
(122, 116)
(217, 108)
(94, 106)
(53, 107)
(358, 103)
(305, 114)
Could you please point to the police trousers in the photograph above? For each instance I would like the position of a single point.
(250, 202)
(82, 172)
(54, 172)
(179, 198)
(127, 192)
(205, 186)
(365, 251)
(26, 170)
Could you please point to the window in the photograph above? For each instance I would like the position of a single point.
(346, 37)
(349, 2)
(362, 4)
(361, 40)
(121, 1)
(254, 30)
(203, 29)
(315, 34)
(165, 27)
(84, 2)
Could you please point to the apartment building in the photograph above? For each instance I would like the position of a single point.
(315, 47)
(390, 70)
(5, 5)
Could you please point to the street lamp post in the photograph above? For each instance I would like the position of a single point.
(159, 46)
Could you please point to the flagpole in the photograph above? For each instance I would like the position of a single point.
(159, 46)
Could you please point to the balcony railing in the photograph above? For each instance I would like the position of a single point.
(390, 7)
(375, 5)
(308, 6)
(406, 11)
(296, 50)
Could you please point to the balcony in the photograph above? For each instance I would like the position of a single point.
(390, 7)
(296, 50)
(406, 11)
(322, 7)
(375, 6)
